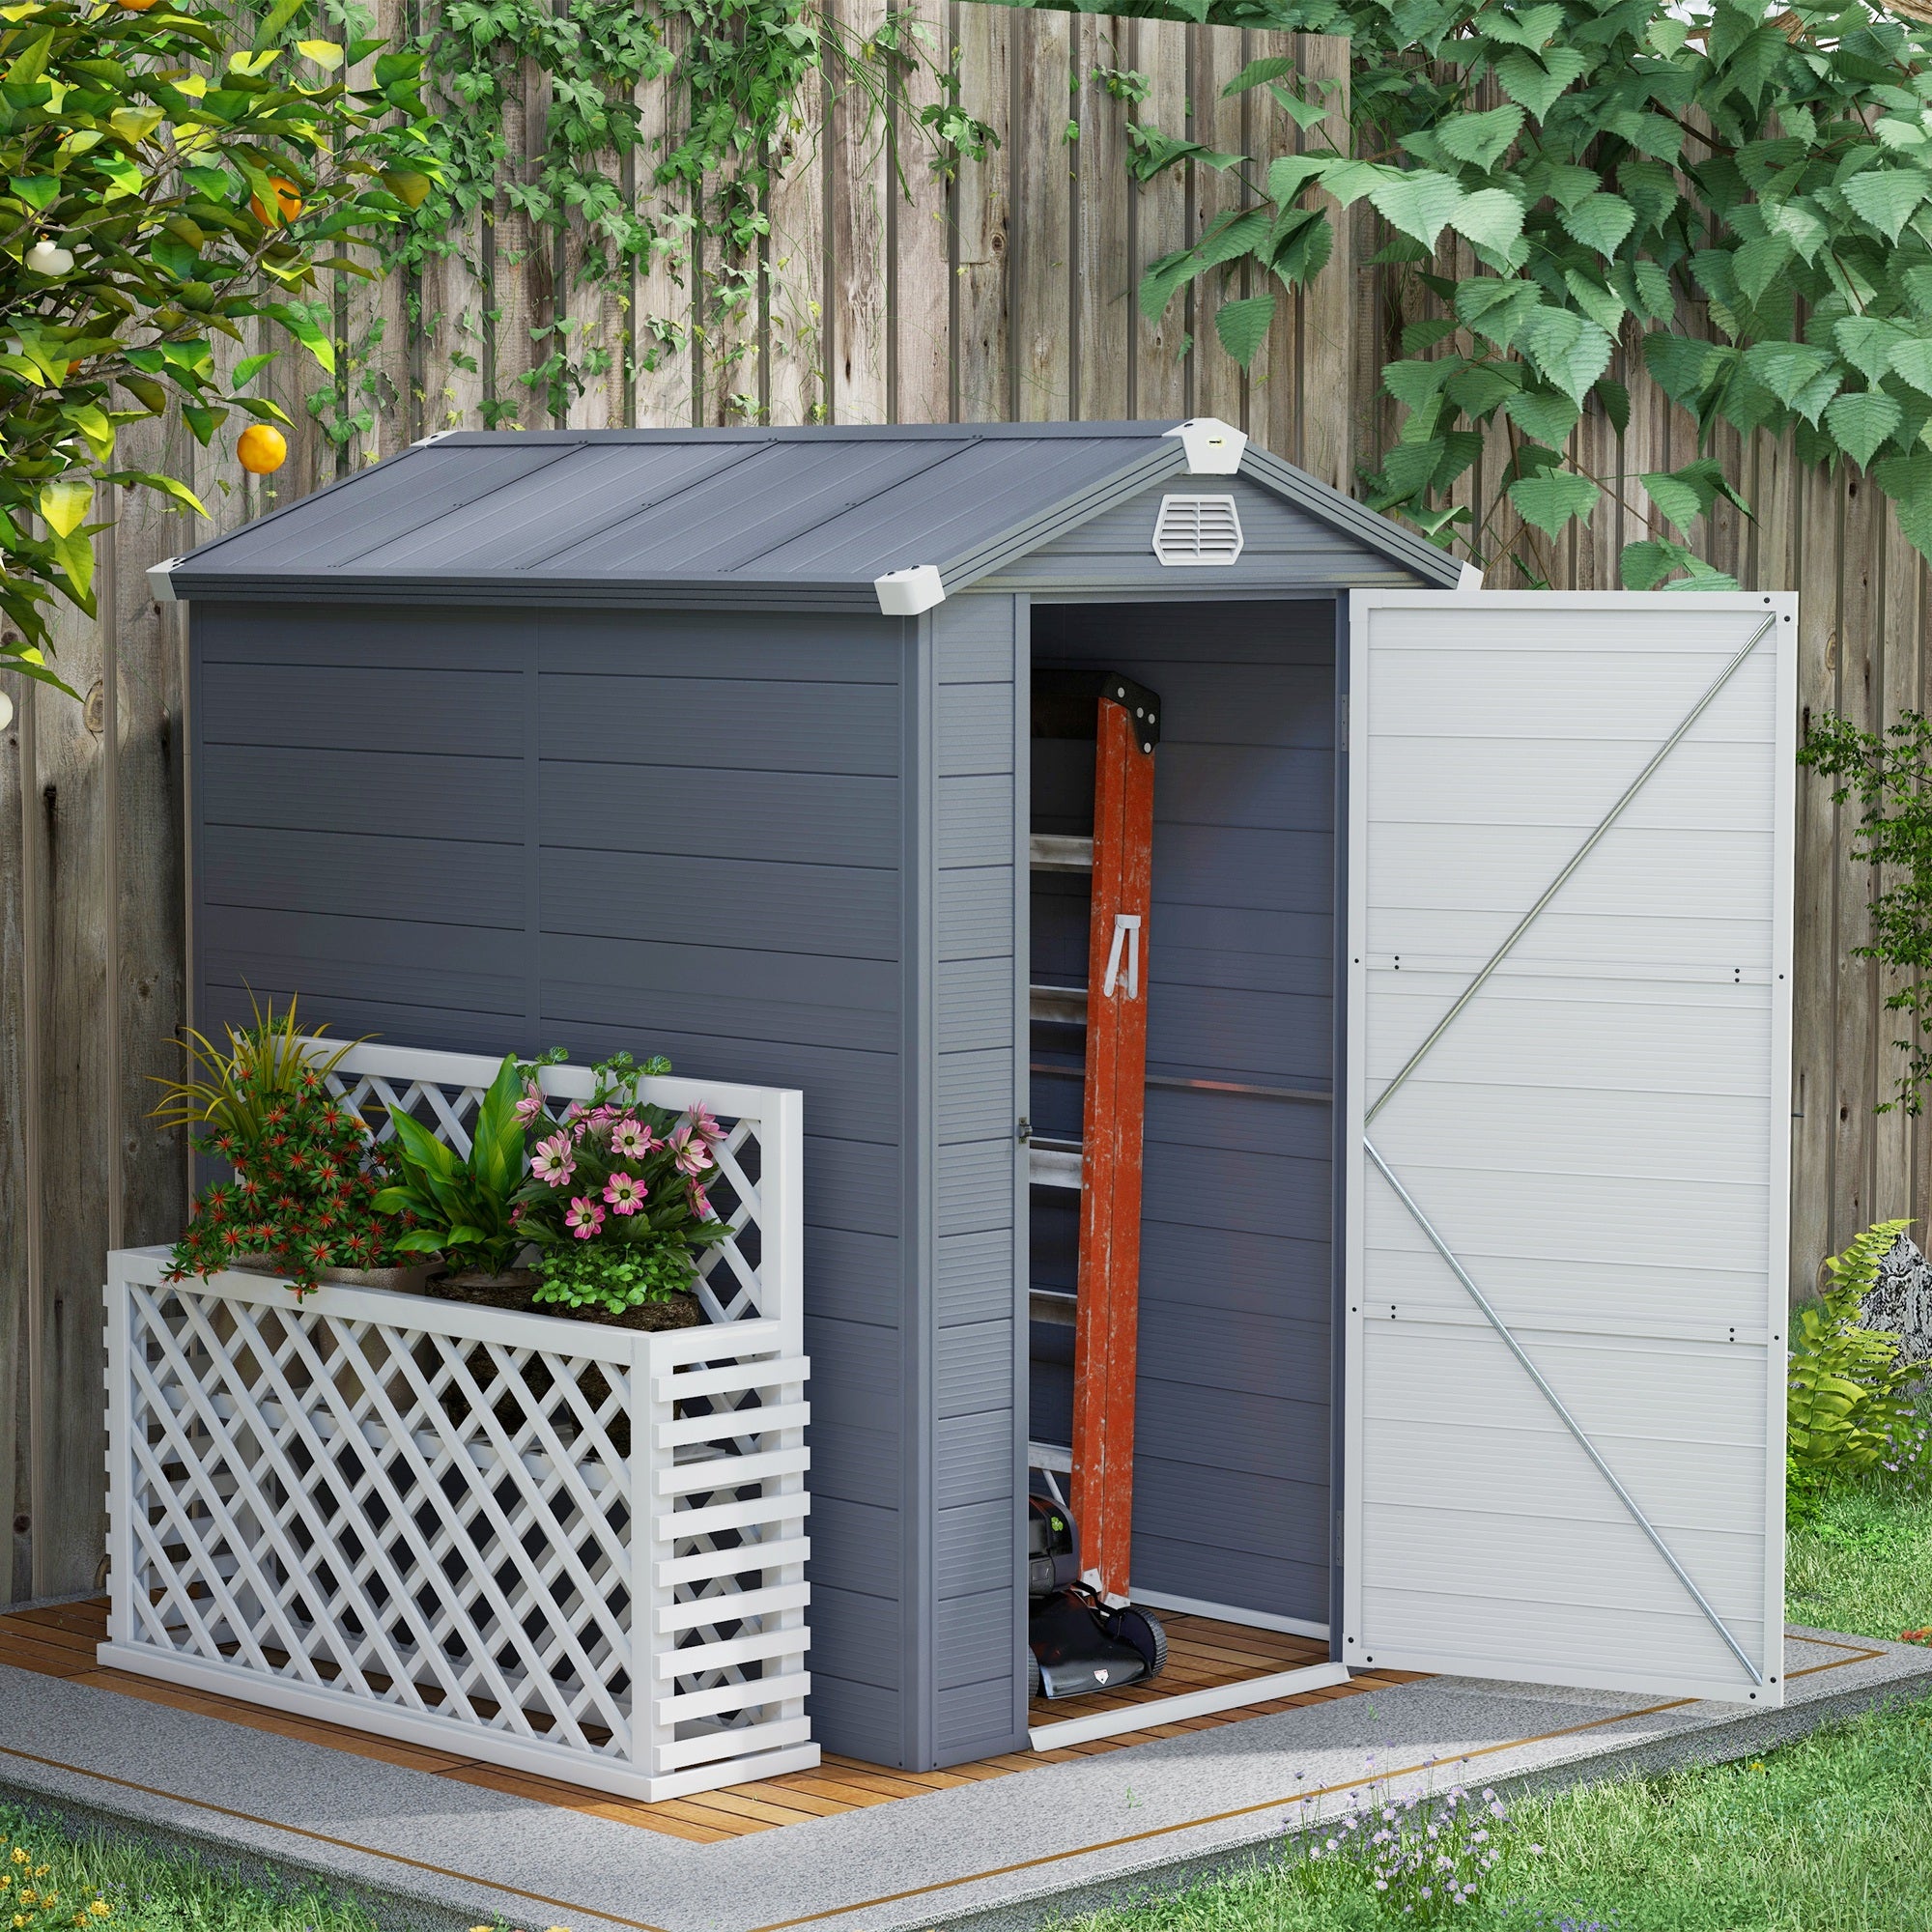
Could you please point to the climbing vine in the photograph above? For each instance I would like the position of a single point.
(1610, 172)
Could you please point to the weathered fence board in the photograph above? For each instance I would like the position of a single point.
(885, 290)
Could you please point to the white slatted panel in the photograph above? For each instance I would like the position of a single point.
(1598, 1137)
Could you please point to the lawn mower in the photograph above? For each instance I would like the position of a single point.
(1076, 1642)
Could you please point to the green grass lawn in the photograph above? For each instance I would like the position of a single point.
(1832, 1833)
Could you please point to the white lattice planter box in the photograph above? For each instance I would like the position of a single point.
(573, 1550)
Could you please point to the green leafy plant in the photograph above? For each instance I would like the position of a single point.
(617, 1202)
(1565, 185)
(1892, 774)
(463, 1206)
(244, 1088)
(1844, 1409)
(167, 175)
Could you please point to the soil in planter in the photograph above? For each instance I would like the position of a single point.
(517, 1292)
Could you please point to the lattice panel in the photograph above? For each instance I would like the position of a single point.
(434, 1524)
(542, 1543)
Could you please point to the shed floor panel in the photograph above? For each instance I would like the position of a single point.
(58, 1640)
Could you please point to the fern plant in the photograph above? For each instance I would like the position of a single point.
(1844, 1402)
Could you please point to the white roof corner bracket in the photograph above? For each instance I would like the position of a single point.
(1471, 579)
(1214, 447)
(905, 593)
(160, 585)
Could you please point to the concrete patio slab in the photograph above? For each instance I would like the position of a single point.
(1007, 1851)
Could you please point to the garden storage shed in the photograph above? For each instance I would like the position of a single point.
(1466, 982)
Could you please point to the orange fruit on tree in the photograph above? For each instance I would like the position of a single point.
(261, 449)
(287, 201)
(135, 5)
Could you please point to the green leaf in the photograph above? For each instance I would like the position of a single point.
(1678, 501)
(1600, 222)
(1866, 344)
(1243, 325)
(249, 367)
(1550, 501)
(1862, 422)
(1683, 365)
(1305, 114)
(64, 504)
(38, 192)
(325, 55)
(1479, 138)
(1417, 202)
(303, 327)
(1547, 418)
(1536, 84)
(1566, 348)
(1909, 356)
(1603, 305)
(1289, 176)
(1616, 403)
(1162, 279)
(1258, 72)
(1908, 481)
(1490, 218)
(1886, 197)
(1802, 378)
(1232, 236)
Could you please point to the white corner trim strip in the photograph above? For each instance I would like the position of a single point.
(1471, 579)
(1214, 447)
(160, 585)
(905, 593)
(1188, 1704)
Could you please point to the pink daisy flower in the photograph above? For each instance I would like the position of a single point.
(529, 1106)
(584, 1218)
(552, 1161)
(625, 1192)
(702, 1207)
(704, 1126)
(689, 1152)
(631, 1140)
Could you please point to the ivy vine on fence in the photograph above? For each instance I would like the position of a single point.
(1613, 167)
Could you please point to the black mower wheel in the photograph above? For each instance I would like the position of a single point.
(1143, 1632)
(1033, 1677)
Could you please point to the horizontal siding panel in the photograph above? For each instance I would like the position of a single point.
(859, 1464)
(804, 817)
(451, 711)
(974, 1003)
(1212, 1574)
(975, 729)
(855, 1636)
(978, 1641)
(858, 1720)
(973, 640)
(352, 876)
(1219, 1347)
(831, 911)
(1283, 1518)
(430, 795)
(973, 1458)
(399, 963)
(227, 1005)
(974, 912)
(974, 821)
(1234, 865)
(974, 1277)
(1228, 1429)
(851, 1276)
(848, 1186)
(976, 1719)
(719, 725)
(854, 1367)
(709, 989)
(976, 1185)
(1254, 1193)
(976, 1095)
(973, 1368)
(854, 1547)
(978, 1548)
(1217, 1267)
(849, 1094)
(801, 647)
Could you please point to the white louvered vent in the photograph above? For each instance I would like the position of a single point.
(1197, 530)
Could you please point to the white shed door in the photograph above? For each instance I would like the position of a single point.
(1569, 1025)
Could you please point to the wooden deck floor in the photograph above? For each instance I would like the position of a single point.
(59, 1642)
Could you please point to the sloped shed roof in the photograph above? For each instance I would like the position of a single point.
(776, 518)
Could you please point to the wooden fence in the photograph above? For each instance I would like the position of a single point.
(887, 293)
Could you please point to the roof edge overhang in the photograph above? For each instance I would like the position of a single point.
(524, 593)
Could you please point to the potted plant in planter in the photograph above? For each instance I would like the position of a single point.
(465, 1210)
(616, 1203)
(302, 1200)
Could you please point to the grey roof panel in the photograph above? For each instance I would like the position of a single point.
(752, 517)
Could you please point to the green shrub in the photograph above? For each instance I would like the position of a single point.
(1844, 1403)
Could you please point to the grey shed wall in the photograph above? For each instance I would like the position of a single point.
(711, 836)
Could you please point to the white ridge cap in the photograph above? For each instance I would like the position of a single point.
(1214, 447)
(1471, 579)
(160, 586)
(905, 593)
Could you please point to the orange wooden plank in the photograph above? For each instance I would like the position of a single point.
(48, 1660)
(1107, 1304)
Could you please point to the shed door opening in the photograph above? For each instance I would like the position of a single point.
(1570, 943)
(1232, 1417)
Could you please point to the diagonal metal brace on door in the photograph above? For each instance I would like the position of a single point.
(1442, 1249)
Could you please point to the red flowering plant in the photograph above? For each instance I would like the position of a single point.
(303, 1199)
(616, 1203)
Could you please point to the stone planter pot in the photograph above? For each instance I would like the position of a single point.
(398, 1280)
